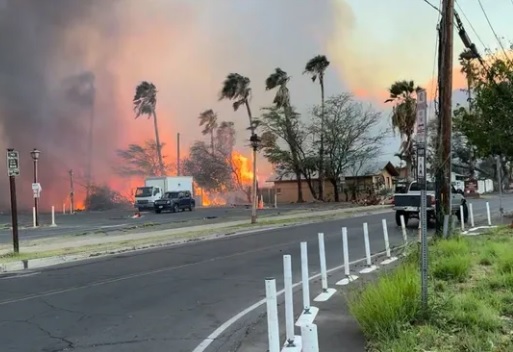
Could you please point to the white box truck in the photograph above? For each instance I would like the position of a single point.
(155, 187)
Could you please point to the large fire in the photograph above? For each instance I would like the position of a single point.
(242, 178)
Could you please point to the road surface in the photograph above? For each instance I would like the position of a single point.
(88, 222)
(169, 299)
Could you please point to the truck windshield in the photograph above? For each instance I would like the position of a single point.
(143, 192)
(430, 186)
(171, 195)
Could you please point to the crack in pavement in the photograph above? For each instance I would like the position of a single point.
(69, 344)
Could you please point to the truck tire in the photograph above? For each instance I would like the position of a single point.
(191, 207)
(158, 211)
(174, 208)
(398, 218)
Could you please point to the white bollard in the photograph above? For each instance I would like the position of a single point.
(326, 292)
(310, 338)
(345, 250)
(389, 259)
(309, 313)
(370, 268)
(273, 328)
(488, 214)
(34, 217)
(292, 343)
(304, 277)
(275, 200)
(471, 210)
(64, 209)
(403, 228)
(53, 217)
(462, 219)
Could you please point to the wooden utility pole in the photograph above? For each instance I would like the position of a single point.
(71, 193)
(446, 100)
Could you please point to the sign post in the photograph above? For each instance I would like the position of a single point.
(421, 179)
(13, 170)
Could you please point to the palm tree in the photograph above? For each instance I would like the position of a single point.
(404, 116)
(236, 88)
(279, 79)
(316, 67)
(208, 119)
(145, 103)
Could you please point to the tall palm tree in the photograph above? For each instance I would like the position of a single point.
(404, 116)
(145, 103)
(316, 67)
(279, 79)
(208, 119)
(236, 88)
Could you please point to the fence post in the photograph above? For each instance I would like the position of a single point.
(326, 292)
(273, 328)
(309, 313)
(370, 268)
(345, 251)
(389, 259)
(291, 339)
(310, 338)
(53, 216)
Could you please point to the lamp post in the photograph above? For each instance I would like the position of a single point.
(35, 157)
(255, 144)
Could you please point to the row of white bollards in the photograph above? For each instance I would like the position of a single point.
(34, 222)
(308, 340)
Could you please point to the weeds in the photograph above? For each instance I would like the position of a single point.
(471, 299)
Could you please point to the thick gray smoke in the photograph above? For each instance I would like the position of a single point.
(47, 91)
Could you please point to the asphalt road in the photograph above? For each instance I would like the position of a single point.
(169, 299)
(88, 222)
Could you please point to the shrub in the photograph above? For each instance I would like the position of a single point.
(384, 306)
(455, 267)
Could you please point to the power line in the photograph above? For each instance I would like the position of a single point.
(491, 27)
(472, 27)
(433, 6)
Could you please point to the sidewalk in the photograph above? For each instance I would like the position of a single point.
(337, 330)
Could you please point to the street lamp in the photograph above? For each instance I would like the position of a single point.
(255, 144)
(35, 157)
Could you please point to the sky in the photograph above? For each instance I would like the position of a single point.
(186, 48)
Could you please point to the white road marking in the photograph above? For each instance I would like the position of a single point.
(221, 329)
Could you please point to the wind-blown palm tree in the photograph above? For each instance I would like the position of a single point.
(279, 79)
(145, 103)
(236, 88)
(404, 116)
(316, 68)
(208, 119)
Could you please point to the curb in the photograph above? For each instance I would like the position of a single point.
(27, 264)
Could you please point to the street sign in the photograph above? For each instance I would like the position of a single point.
(36, 189)
(421, 175)
(13, 163)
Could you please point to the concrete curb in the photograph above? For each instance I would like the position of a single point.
(28, 264)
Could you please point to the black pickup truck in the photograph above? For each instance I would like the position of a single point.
(175, 201)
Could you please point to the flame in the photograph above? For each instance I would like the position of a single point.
(243, 168)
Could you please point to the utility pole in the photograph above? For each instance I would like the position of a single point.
(72, 192)
(499, 181)
(178, 171)
(13, 167)
(446, 101)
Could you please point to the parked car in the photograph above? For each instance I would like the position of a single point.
(408, 204)
(175, 201)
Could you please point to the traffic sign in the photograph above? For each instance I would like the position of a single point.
(13, 163)
(36, 189)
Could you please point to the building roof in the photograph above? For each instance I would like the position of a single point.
(371, 171)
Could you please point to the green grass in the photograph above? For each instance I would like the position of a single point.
(470, 299)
